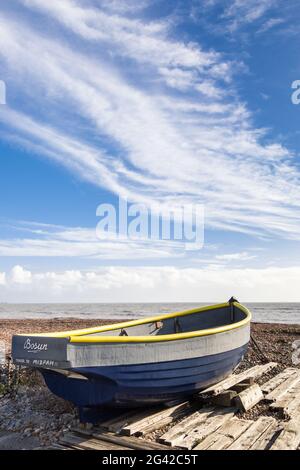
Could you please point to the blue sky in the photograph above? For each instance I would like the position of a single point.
(165, 103)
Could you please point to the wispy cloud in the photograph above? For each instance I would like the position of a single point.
(235, 15)
(242, 256)
(45, 240)
(142, 41)
(240, 12)
(175, 133)
(270, 24)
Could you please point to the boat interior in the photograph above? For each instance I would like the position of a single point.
(177, 323)
(196, 320)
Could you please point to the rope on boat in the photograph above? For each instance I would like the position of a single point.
(259, 351)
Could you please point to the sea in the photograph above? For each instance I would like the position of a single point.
(261, 312)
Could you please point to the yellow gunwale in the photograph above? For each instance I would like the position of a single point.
(79, 336)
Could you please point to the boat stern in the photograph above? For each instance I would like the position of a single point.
(40, 351)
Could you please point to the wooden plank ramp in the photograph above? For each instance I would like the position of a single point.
(225, 435)
(116, 424)
(155, 421)
(85, 442)
(289, 438)
(130, 442)
(78, 439)
(253, 372)
(289, 403)
(185, 426)
(188, 433)
(212, 423)
(278, 392)
(271, 384)
(266, 439)
(254, 433)
(141, 423)
(206, 428)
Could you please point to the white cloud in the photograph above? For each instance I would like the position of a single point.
(200, 148)
(145, 42)
(237, 14)
(242, 256)
(177, 77)
(59, 241)
(270, 23)
(242, 12)
(2, 279)
(19, 275)
(125, 6)
(160, 284)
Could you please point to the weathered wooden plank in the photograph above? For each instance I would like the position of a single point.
(289, 438)
(292, 408)
(226, 384)
(131, 442)
(249, 397)
(265, 440)
(186, 425)
(111, 423)
(252, 434)
(87, 443)
(289, 403)
(225, 435)
(210, 425)
(158, 425)
(283, 388)
(156, 420)
(117, 423)
(271, 384)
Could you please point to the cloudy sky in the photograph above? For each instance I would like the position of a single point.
(165, 103)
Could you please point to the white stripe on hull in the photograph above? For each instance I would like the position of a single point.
(118, 354)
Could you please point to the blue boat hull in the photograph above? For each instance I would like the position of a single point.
(140, 362)
(142, 384)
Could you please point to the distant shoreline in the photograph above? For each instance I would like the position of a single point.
(279, 313)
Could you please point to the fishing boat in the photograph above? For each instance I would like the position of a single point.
(140, 362)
